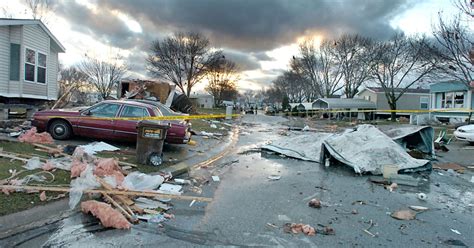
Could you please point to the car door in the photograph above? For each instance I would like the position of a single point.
(98, 122)
(127, 129)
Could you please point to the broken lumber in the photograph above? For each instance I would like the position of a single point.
(10, 156)
(123, 211)
(122, 199)
(111, 192)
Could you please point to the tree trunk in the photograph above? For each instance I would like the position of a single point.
(393, 114)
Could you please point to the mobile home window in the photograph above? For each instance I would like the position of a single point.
(424, 101)
(30, 62)
(41, 68)
(35, 66)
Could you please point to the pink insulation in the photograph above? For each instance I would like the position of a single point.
(109, 167)
(108, 216)
(77, 167)
(32, 136)
(48, 166)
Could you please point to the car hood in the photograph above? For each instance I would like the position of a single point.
(467, 128)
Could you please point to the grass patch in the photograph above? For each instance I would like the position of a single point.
(215, 111)
(205, 125)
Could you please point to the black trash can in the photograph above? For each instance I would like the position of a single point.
(150, 139)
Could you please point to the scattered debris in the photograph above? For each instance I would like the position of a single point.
(32, 136)
(449, 166)
(456, 231)
(367, 230)
(213, 125)
(296, 228)
(422, 196)
(274, 177)
(404, 215)
(454, 242)
(94, 147)
(326, 230)
(215, 178)
(314, 203)
(418, 208)
(392, 187)
(359, 202)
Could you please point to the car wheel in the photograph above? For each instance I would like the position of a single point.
(60, 130)
(471, 143)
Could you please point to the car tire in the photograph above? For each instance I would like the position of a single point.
(60, 130)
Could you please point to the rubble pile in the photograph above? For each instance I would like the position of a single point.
(127, 196)
(32, 136)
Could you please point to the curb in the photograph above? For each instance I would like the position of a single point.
(185, 166)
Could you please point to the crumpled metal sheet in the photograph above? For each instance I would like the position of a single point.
(306, 146)
(367, 149)
(419, 137)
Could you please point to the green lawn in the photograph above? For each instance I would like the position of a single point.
(18, 201)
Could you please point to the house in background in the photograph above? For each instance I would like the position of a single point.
(28, 61)
(412, 99)
(351, 105)
(451, 99)
(202, 100)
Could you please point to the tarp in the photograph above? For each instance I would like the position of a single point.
(367, 149)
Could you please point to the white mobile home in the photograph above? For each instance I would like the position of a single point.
(28, 61)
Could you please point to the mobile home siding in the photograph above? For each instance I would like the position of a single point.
(35, 38)
(4, 59)
(52, 74)
(406, 102)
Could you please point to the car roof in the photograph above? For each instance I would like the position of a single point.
(140, 104)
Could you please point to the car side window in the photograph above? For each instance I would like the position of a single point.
(104, 110)
(132, 111)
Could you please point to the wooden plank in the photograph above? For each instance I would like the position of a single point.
(120, 198)
(4, 155)
(111, 192)
(129, 217)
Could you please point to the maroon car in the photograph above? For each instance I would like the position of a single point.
(62, 124)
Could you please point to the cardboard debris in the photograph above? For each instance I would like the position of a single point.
(32, 136)
(108, 216)
(404, 215)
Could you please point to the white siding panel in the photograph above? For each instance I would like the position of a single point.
(15, 34)
(53, 75)
(4, 59)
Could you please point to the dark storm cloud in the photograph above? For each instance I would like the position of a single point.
(264, 24)
(244, 61)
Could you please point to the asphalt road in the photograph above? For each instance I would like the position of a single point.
(250, 210)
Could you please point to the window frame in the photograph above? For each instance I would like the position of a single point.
(106, 103)
(133, 106)
(427, 102)
(36, 66)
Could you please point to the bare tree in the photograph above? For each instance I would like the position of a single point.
(222, 78)
(71, 82)
(182, 59)
(293, 85)
(465, 6)
(352, 53)
(103, 76)
(455, 45)
(398, 64)
(39, 8)
(319, 67)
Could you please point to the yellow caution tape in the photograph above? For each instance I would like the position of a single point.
(218, 116)
(174, 117)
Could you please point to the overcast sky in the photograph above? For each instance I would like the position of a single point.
(260, 35)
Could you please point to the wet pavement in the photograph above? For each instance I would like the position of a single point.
(248, 209)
